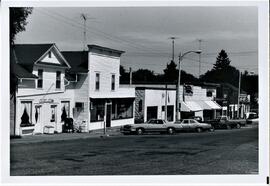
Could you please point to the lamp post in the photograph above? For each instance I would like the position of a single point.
(177, 113)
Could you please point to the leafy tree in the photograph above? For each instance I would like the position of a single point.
(143, 75)
(18, 21)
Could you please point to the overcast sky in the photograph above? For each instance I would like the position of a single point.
(143, 33)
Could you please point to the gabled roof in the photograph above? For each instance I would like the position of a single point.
(18, 70)
(78, 60)
(29, 54)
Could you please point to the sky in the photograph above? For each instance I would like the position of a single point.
(144, 34)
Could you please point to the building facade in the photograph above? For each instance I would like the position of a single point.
(82, 85)
(197, 100)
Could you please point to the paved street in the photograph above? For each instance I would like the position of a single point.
(220, 152)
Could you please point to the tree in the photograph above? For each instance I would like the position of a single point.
(222, 61)
(170, 72)
(143, 75)
(18, 21)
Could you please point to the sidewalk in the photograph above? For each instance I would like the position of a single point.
(113, 131)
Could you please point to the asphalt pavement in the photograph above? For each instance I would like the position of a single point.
(220, 152)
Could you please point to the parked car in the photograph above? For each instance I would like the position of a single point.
(222, 122)
(192, 125)
(197, 118)
(153, 125)
(252, 118)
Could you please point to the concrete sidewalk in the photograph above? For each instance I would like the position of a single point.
(113, 131)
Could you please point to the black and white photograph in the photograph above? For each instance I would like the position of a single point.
(136, 93)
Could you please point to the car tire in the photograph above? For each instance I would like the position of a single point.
(212, 129)
(199, 130)
(228, 127)
(139, 131)
(171, 131)
(238, 126)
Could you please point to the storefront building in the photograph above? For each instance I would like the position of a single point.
(197, 100)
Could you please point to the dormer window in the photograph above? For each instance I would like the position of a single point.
(40, 78)
(50, 54)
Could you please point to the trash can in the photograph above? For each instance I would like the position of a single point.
(68, 125)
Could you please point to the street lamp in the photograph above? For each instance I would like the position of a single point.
(177, 114)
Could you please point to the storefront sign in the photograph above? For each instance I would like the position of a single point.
(188, 90)
(244, 98)
(46, 101)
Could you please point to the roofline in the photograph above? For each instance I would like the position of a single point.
(105, 48)
(59, 52)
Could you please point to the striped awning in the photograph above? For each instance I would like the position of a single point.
(209, 105)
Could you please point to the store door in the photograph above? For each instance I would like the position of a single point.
(108, 114)
(53, 120)
(38, 119)
(170, 112)
(152, 113)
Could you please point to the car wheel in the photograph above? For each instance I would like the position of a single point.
(238, 126)
(199, 130)
(139, 131)
(171, 131)
(212, 129)
(229, 127)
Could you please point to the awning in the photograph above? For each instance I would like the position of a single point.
(190, 106)
(209, 105)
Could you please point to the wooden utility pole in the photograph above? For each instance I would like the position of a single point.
(83, 16)
(239, 92)
(130, 76)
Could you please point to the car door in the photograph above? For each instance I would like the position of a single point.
(150, 125)
(192, 124)
(185, 125)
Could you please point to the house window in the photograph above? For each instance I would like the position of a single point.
(26, 113)
(40, 78)
(79, 106)
(58, 79)
(50, 54)
(113, 82)
(53, 113)
(97, 81)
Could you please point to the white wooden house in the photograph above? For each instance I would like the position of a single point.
(41, 93)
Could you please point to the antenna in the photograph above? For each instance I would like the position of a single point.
(172, 38)
(200, 48)
(83, 16)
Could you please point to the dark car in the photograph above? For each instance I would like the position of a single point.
(223, 122)
(197, 118)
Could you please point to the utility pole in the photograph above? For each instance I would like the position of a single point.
(83, 16)
(130, 76)
(166, 101)
(239, 92)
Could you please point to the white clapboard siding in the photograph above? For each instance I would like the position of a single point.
(105, 66)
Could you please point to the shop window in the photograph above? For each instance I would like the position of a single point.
(97, 110)
(97, 81)
(79, 106)
(58, 79)
(26, 110)
(40, 78)
(113, 82)
(124, 108)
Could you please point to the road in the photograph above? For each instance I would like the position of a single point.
(220, 152)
